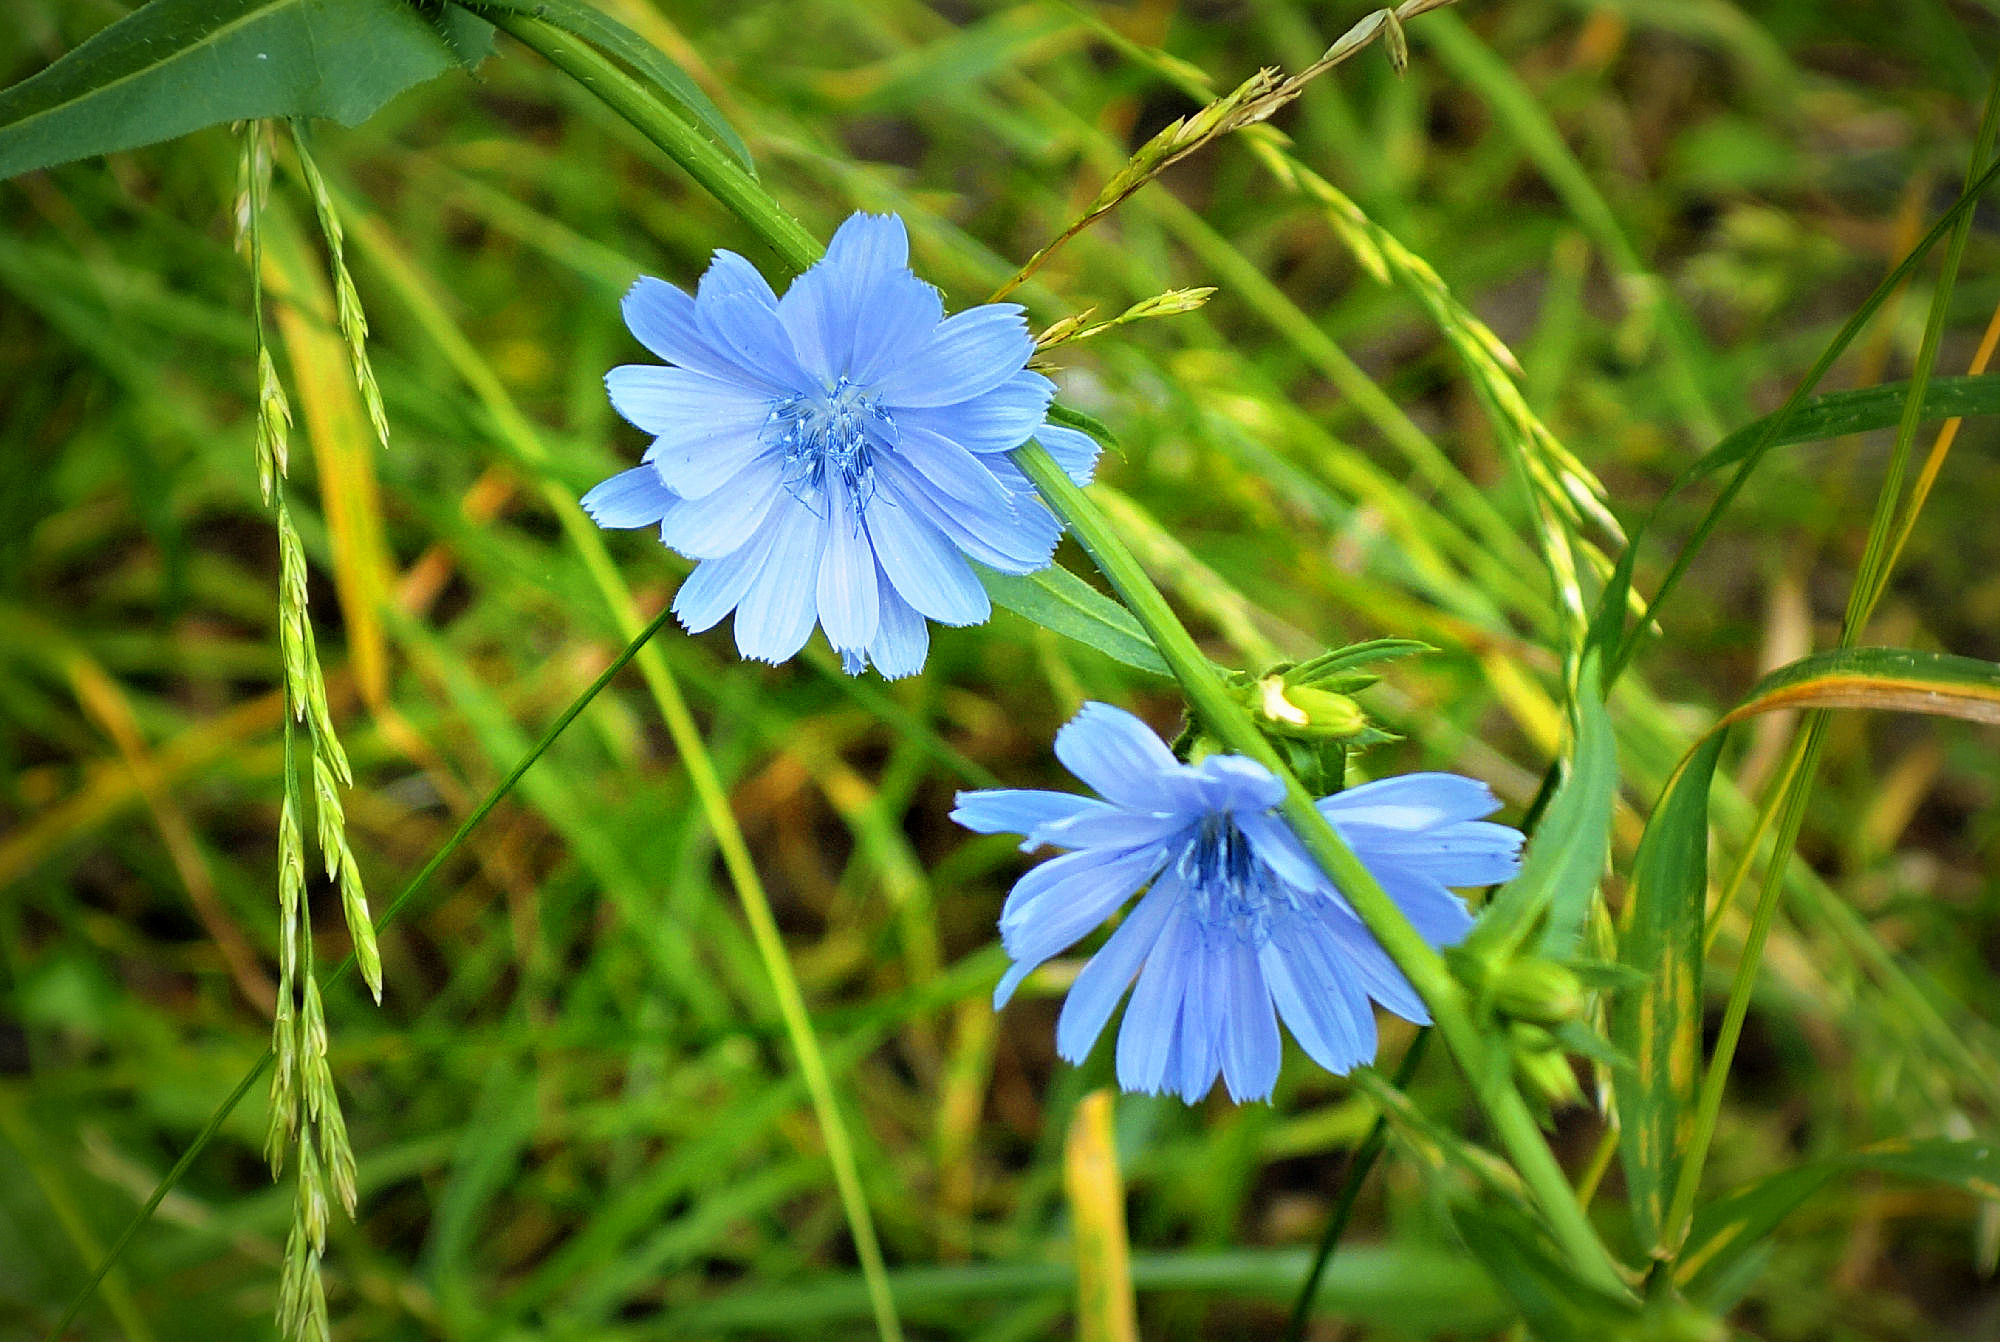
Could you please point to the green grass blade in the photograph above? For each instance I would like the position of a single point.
(1566, 857)
(1658, 1025)
(1733, 1223)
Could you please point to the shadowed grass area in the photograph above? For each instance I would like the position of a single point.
(576, 1113)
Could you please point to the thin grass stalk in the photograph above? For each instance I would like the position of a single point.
(417, 884)
(519, 435)
(1794, 792)
(1218, 711)
(1508, 1113)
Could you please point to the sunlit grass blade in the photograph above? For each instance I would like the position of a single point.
(1105, 1310)
(1658, 1025)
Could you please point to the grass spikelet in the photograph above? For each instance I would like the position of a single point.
(305, 1105)
(347, 299)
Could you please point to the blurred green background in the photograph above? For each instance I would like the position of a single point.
(575, 1112)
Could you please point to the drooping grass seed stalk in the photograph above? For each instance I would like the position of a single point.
(416, 886)
(1218, 711)
(305, 1121)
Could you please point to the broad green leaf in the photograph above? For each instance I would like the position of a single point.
(1658, 1025)
(1566, 856)
(1724, 1229)
(590, 24)
(1843, 412)
(1058, 600)
(174, 66)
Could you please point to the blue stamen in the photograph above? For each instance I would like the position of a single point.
(1231, 888)
(834, 429)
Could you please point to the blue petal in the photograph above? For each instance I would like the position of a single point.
(969, 354)
(1052, 907)
(1433, 910)
(1273, 841)
(995, 421)
(682, 402)
(1119, 755)
(925, 568)
(663, 319)
(1199, 1040)
(1020, 540)
(751, 331)
(902, 639)
(1075, 451)
(1237, 783)
(723, 519)
(849, 597)
(1113, 827)
(1412, 801)
(730, 276)
(1094, 995)
(1467, 852)
(1148, 1038)
(775, 617)
(717, 585)
(1251, 1047)
(1327, 1012)
(1019, 810)
(860, 311)
(633, 498)
(1369, 967)
(955, 472)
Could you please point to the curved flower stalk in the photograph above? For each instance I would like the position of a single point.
(836, 455)
(1237, 926)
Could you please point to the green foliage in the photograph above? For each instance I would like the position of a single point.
(579, 1110)
(174, 66)
(1063, 603)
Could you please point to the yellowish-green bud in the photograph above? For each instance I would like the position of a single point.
(1541, 1064)
(1539, 991)
(1303, 711)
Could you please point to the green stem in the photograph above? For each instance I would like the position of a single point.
(1485, 1067)
(1488, 1070)
(719, 174)
(1350, 1192)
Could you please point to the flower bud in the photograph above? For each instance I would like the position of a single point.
(1304, 711)
(1542, 1065)
(1539, 991)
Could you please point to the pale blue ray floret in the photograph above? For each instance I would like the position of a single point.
(1237, 927)
(835, 456)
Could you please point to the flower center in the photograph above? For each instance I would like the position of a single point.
(831, 430)
(1232, 889)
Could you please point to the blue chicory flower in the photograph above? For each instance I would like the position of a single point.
(1236, 920)
(835, 455)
